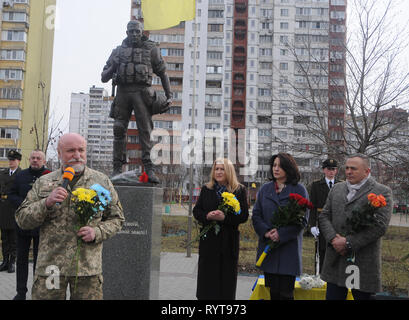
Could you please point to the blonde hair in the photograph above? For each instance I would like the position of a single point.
(232, 182)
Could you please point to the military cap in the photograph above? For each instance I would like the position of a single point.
(13, 155)
(330, 163)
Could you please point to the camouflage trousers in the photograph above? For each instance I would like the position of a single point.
(87, 288)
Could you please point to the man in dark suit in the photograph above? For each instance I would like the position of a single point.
(7, 210)
(22, 185)
(318, 195)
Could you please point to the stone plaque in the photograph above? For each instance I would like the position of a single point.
(131, 259)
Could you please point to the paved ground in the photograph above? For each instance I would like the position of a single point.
(177, 280)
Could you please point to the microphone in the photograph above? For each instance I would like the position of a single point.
(67, 176)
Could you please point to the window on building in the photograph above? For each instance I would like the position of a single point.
(11, 74)
(215, 28)
(264, 132)
(212, 126)
(10, 35)
(215, 13)
(15, 16)
(11, 93)
(214, 55)
(214, 69)
(10, 114)
(19, 55)
(284, 12)
(9, 133)
(283, 65)
(266, 52)
(282, 121)
(212, 112)
(263, 92)
(284, 39)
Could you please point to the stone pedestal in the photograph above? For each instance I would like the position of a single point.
(131, 259)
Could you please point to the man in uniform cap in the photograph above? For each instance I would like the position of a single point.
(318, 195)
(7, 210)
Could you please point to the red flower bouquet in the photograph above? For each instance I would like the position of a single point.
(291, 214)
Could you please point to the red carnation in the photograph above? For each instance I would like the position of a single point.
(144, 177)
(302, 202)
(295, 196)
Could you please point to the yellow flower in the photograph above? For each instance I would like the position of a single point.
(82, 194)
(228, 195)
(230, 200)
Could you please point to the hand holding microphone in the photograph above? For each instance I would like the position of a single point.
(58, 195)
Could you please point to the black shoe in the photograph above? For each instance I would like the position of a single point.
(152, 178)
(5, 265)
(11, 268)
(20, 296)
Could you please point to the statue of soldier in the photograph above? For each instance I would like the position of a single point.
(130, 67)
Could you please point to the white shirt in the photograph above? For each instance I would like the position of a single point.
(328, 181)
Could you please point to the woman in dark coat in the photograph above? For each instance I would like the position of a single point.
(218, 254)
(282, 264)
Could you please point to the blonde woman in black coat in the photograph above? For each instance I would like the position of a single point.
(218, 254)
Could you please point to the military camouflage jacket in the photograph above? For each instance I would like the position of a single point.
(58, 239)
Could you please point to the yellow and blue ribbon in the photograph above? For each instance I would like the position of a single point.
(263, 256)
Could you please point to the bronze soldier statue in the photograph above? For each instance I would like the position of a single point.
(130, 67)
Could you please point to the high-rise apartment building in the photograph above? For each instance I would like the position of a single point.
(89, 117)
(273, 67)
(26, 49)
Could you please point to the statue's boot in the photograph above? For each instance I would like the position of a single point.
(150, 171)
(119, 156)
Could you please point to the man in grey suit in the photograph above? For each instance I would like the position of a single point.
(363, 275)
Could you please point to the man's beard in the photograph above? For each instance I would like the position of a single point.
(78, 167)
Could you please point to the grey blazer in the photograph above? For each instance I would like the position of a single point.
(366, 244)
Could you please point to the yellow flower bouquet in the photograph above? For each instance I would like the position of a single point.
(229, 206)
(87, 204)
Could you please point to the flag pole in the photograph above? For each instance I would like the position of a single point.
(189, 218)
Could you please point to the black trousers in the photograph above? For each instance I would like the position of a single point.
(335, 292)
(281, 286)
(8, 244)
(23, 249)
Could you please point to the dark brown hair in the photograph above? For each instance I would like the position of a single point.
(288, 164)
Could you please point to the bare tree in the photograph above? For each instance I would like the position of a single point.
(43, 133)
(376, 79)
(373, 84)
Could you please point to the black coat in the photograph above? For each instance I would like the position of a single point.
(23, 183)
(7, 209)
(318, 195)
(219, 254)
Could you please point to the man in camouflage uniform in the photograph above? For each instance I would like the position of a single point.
(49, 207)
(130, 67)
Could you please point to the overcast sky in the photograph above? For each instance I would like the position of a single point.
(85, 34)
